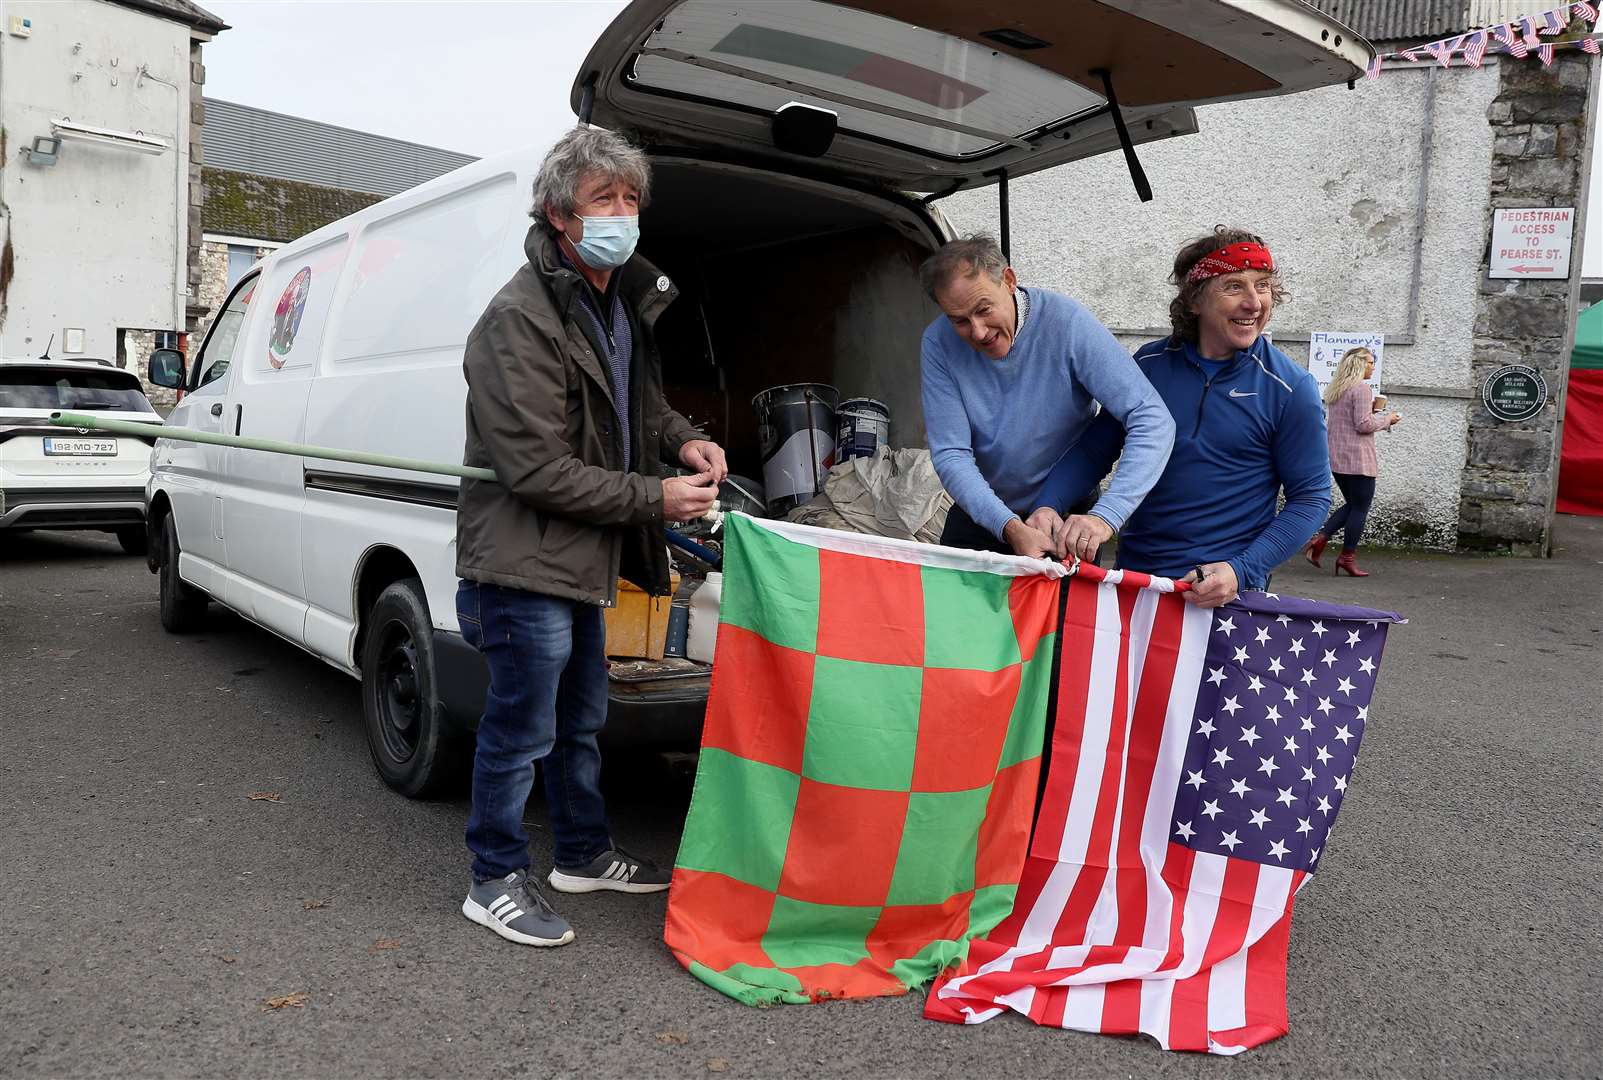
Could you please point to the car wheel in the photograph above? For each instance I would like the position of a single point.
(183, 607)
(415, 747)
(132, 539)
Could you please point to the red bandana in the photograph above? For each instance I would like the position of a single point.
(1229, 260)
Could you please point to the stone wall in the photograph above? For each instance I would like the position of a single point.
(194, 311)
(1541, 146)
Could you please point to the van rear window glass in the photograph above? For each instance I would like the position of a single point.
(27, 387)
(884, 78)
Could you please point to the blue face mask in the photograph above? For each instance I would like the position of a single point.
(608, 241)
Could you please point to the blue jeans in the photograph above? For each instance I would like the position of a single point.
(547, 702)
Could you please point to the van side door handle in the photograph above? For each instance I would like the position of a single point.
(217, 409)
(239, 415)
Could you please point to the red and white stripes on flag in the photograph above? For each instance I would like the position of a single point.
(1475, 51)
(1373, 70)
(1546, 53)
(1586, 10)
(1589, 45)
(1443, 51)
(1186, 946)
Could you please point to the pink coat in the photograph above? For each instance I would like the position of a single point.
(1351, 427)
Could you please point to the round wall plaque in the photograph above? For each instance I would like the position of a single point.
(1514, 392)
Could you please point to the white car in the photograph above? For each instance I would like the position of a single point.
(72, 478)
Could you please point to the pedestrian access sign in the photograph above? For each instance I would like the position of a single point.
(1532, 242)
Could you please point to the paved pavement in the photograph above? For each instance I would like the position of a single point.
(148, 906)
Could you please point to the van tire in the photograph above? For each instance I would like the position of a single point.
(415, 747)
(132, 539)
(183, 607)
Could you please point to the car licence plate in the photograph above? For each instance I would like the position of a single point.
(55, 446)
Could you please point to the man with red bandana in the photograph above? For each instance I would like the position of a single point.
(1248, 424)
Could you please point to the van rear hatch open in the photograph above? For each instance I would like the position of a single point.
(938, 94)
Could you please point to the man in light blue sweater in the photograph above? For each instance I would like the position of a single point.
(1011, 380)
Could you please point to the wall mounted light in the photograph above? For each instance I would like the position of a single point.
(65, 128)
(44, 150)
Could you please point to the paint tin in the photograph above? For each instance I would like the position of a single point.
(796, 433)
(862, 426)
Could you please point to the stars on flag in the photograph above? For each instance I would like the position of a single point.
(1275, 807)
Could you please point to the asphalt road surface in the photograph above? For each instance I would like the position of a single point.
(149, 907)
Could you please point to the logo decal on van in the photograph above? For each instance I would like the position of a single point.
(287, 317)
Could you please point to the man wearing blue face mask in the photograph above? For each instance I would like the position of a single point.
(565, 404)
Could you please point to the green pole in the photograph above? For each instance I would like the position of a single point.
(270, 446)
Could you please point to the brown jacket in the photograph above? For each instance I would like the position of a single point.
(564, 519)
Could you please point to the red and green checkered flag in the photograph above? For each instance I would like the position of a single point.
(869, 763)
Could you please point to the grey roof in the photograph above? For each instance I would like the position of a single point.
(179, 10)
(1390, 20)
(246, 139)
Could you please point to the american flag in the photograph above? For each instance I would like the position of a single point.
(1443, 51)
(1546, 53)
(1475, 51)
(1586, 10)
(1373, 71)
(1528, 32)
(1198, 763)
(1505, 34)
(1555, 20)
(1589, 45)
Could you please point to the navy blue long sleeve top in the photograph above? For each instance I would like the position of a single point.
(1242, 434)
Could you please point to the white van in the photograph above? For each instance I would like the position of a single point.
(796, 150)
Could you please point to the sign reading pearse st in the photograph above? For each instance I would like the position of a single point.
(1533, 242)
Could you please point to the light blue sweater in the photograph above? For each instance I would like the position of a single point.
(997, 427)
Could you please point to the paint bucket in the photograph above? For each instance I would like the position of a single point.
(862, 426)
(796, 433)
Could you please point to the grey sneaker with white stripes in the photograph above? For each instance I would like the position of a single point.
(514, 907)
(615, 870)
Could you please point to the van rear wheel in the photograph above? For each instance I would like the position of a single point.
(414, 746)
(183, 607)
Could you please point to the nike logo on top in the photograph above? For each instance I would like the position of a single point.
(1237, 393)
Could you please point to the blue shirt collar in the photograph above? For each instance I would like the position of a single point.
(1257, 350)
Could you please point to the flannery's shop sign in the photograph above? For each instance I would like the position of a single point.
(1533, 242)
(1514, 392)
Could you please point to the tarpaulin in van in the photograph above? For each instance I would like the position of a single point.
(869, 764)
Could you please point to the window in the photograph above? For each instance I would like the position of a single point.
(240, 260)
(219, 348)
(81, 390)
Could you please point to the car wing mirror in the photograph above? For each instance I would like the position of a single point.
(166, 368)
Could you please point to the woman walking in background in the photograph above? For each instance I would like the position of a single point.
(1352, 421)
